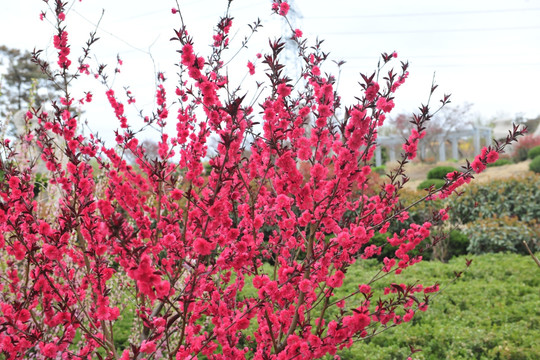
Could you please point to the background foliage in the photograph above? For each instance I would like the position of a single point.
(491, 312)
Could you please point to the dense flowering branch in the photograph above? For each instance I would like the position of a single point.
(242, 262)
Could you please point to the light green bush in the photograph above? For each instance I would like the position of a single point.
(491, 312)
(513, 197)
(535, 164)
(500, 162)
(427, 183)
(440, 172)
(500, 235)
(534, 152)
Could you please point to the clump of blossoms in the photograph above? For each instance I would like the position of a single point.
(244, 262)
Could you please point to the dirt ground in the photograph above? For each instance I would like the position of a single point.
(418, 172)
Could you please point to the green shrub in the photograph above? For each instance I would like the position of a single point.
(381, 170)
(500, 162)
(440, 172)
(454, 243)
(534, 152)
(427, 183)
(458, 242)
(491, 312)
(535, 165)
(513, 197)
(500, 235)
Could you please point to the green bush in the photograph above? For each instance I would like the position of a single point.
(513, 197)
(440, 172)
(534, 152)
(453, 243)
(381, 170)
(491, 312)
(500, 162)
(458, 242)
(535, 165)
(500, 235)
(427, 183)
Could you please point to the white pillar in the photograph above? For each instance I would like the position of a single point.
(378, 156)
(487, 137)
(392, 153)
(455, 154)
(442, 150)
(476, 141)
(422, 150)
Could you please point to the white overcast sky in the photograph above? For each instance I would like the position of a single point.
(484, 52)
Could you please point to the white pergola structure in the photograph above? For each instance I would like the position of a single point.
(477, 133)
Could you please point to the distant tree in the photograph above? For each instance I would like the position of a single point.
(446, 121)
(20, 82)
(151, 149)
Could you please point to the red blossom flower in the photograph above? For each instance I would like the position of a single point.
(203, 247)
(364, 289)
(284, 9)
(283, 90)
(385, 105)
(372, 91)
(251, 68)
(492, 156)
(148, 347)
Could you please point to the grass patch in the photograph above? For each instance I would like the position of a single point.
(492, 312)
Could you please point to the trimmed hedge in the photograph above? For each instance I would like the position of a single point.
(500, 235)
(534, 152)
(381, 170)
(491, 312)
(500, 162)
(512, 197)
(427, 183)
(458, 243)
(535, 165)
(440, 172)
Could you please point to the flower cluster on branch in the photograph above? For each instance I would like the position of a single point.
(241, 262)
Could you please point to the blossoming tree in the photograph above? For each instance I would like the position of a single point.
(243, 263)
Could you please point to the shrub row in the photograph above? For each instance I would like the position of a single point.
(490, 217)
(500, 162)
(514, 197)
(440, 172)
(503, 234)
(534, 152)
(491, 312)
